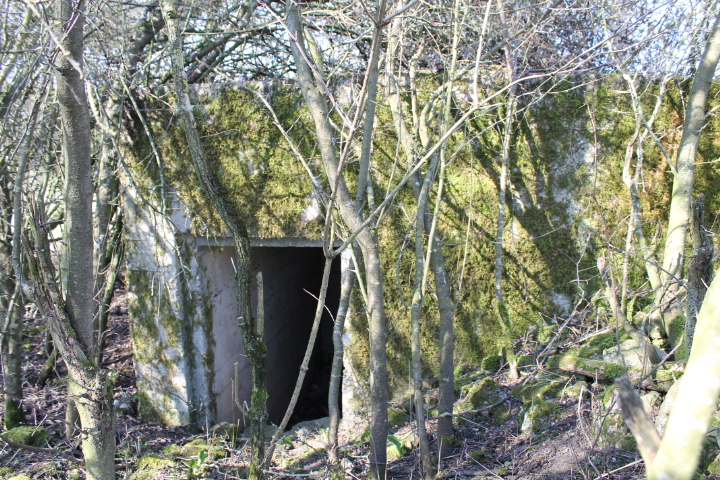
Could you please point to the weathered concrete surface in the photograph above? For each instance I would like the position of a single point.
(189, 357)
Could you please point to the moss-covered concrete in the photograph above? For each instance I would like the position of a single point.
(556, 212)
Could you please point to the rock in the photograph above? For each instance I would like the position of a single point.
(588, 367)
(668, 374)
(490, 363)
(629, 352)
(532, 415)
(397, 416)
(539, 390)
(525, 361)
(577, 389)
(666, 407)
(304, 429)
(28, 435)
(125, 405)
(651, 401)
(153, 466)
(481, 394)
(193, 449)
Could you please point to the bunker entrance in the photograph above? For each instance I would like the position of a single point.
(292, 277)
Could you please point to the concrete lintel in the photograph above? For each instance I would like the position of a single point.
(260, 242)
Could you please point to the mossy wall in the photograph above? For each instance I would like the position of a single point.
(566, 199)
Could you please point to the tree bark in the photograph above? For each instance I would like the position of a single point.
(92, 396)
(684, 171)
(252, 337)
(90, 384)
(366, 240)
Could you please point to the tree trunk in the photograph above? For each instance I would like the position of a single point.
(346, 287)
(93, 398)
(684, 171)
(252, 336)
(366, 239)
(700, 271)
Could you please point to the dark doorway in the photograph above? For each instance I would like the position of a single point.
(290, 276)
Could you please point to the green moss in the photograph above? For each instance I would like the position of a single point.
(627, 442)
(153, 466)
(18, 477)
(482, 393)
(5, 471)
(570, 363)
(397, 416)
(490, 363)
(540, 390)
(550, 181)
(193, 449)
(13, 414)
(28, 435)
(534, 414)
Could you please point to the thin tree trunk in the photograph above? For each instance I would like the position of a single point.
(684, 171)
(89, 387)
(700, 271)
(346, 287)
(446, 392)
(366, 240)
(252, 337)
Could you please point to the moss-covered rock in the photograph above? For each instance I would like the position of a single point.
(668, 374)
(397, 416)
(609, 428)
(543, 389)
(28, 435)
(576, 389)
(491, 363)
(600, 369)
(193, 449)
(534, 414)
(483, 393)
(153, 466)
(18, 477)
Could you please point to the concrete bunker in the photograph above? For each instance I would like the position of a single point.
(292, 275)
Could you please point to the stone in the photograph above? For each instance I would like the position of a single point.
(651, 401)
(28, 435)
(666, 407)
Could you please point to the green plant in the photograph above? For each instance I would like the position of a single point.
(196, 466)
(397, 444)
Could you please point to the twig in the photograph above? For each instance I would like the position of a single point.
(632, 464)
(46, 451)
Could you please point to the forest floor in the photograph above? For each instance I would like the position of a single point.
(483, 447)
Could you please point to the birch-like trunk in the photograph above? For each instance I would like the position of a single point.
(684, 171)
(366, 239)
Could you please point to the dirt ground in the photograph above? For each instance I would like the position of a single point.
(482, 448)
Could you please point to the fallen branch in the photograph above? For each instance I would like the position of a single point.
(45, 451)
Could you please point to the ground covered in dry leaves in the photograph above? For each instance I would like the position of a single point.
(483, 446)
